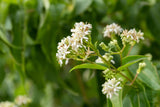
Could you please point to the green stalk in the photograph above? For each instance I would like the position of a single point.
(23, 24)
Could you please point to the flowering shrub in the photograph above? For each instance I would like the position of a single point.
(79, 47)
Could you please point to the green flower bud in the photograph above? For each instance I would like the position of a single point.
(141, 66)
(103, 46)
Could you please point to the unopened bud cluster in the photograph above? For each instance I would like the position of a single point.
(141, 66)
(107, 57)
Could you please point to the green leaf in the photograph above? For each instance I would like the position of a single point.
(135, 100)
(149, 76)
(138, 96)
(82, 5)
(89, 66)
(143, 97)
(129, 60)
(127, 102)
(117, 100)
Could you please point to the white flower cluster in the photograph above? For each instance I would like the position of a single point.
(7, 104)
(73, 42)
(79, 34)
(131, 36)
(111, 87)
(112, 28)
(63, 50)
(107, 57)
(22, 100)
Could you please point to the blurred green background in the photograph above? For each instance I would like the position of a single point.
(31, 29)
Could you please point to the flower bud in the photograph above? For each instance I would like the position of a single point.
(103, 46)
(141, 66)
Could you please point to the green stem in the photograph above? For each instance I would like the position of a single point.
(23, 46)
(120, 57)
(110, 65)
(10, 45)
(125, 76)
(99, 55)
(123, 49)
(134, 79)
(114, 53)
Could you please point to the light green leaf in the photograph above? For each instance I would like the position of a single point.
(129, 60)
(149, 76)
(127, 102)
(117, 100)
(82, 5)
(89, 66)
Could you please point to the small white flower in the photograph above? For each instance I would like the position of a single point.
(111, 87)
(7, 104)
(112, 28)
(22, 100)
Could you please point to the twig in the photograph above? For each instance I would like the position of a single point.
(134, 79)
